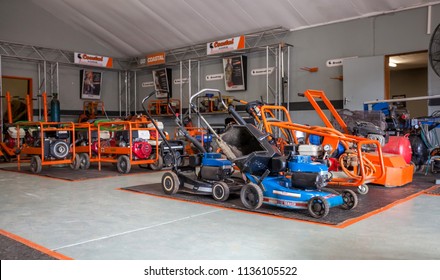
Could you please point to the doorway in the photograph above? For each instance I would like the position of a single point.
(18, 87)
(407, 76)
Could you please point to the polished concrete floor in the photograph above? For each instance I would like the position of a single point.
(92, 219)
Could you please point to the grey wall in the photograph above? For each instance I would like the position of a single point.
(382, 35)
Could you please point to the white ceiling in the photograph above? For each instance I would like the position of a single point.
(138, 27)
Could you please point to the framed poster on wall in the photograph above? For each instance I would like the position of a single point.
(91, 82)
(162, 83)
(235, 72)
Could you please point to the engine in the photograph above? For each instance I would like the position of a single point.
(11, 137)
(212, 166)
(305, 172)
(140, 148)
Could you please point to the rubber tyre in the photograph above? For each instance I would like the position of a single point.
(123, 165)
(36, 165)
(76, 162)
(84, 161)
(363, 189)
(251, 196)
(220, 191)
(158, 165)
(170, 183)
(59, 149)
(350, 199)
(318, 207)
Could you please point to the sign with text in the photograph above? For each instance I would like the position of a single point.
(93, 60)
(148, 84)
(226, 45)
(180, 81)
(261, 71)
(214, 77)
(156, 58)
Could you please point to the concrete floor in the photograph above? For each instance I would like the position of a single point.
(93, 220)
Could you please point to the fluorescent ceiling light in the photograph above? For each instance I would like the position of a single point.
(392, 64)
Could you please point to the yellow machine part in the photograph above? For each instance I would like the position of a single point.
(397, 171)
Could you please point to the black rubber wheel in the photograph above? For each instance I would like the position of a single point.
(59, 149)
(350, 199)
(363, 189)
(157, 165)
(84, 161)
(318, 207)
(36, 165)
(170, 183)
(123, 165)
(76, 162)
(251, 196)
(220, 191)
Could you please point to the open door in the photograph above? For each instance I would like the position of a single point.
(364, 80)
(18, 87)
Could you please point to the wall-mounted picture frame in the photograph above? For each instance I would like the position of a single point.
(91, 84)
(235, 69)
(162, 83)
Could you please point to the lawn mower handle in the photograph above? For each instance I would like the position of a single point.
(164, 138)
(182, 129)
(205, 90)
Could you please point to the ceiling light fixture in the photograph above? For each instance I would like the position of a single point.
(392, 64)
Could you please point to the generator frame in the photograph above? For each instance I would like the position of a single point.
(123, 156)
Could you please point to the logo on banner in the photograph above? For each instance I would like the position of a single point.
(156, 58)
(226, 45)
(93, 60)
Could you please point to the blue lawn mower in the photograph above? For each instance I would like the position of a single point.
(292, 180)
(203, 173)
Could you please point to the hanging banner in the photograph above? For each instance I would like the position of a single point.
(214, 77)
(93, 60)
(261, 71)
(226, 45)
(156, 58)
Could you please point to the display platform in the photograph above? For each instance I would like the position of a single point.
(16, 248)
(67, 174)
(434, 191)
(378, 199)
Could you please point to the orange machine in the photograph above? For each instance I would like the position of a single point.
(128, 144)
(91, 110)
(160, 106)
(357, 169)
(47, 143)
(8, 145)
(84, 143)
(396, 173)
